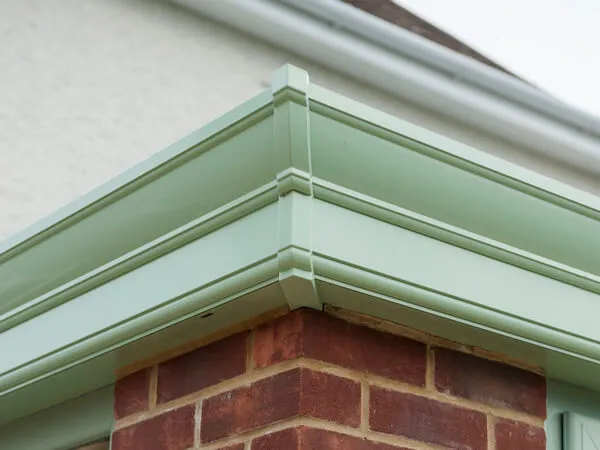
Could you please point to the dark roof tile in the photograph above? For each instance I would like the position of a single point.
(394, 13)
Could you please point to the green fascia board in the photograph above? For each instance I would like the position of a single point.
(300, 198)
(178, 185)
(81, 421)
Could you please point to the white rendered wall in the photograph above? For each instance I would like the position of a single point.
(90, 87)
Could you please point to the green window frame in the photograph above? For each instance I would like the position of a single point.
(573, 418)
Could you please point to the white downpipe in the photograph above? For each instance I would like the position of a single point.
(419, 71)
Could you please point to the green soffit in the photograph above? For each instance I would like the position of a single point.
(300, 198)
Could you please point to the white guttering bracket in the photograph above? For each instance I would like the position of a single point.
(350, 41)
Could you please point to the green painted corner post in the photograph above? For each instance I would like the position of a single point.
(294, 185)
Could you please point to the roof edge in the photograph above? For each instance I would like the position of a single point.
(378, 53)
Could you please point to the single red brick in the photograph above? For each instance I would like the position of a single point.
(201, 368)
(287, 439)
(511, 435)
(279, 340)
(263, 402)
(427, 420)
(132, 393)
(282, 396)
(234, 447)
(173, 430)
(305, 438)
(331, 398)
(489, 382)
(323, 337)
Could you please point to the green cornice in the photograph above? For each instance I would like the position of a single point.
(75, 423)
(300, 198)
(154, 198)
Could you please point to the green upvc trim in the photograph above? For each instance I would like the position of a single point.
(422, 224)
(114, 219)
(170, 241)
(580, 433)
(378, 123)
(163, 290)
(300, 198)
(294, 177)
(69, 425)
(407, 266)
(573, 418)
(443, 190)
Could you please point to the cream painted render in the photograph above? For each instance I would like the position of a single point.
(91, 87)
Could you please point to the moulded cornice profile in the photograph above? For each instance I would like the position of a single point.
(300, 198)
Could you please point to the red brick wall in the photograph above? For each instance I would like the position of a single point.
(309, 380)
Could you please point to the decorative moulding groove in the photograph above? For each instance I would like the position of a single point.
(419, 223)
(142, 255)
(386, 126)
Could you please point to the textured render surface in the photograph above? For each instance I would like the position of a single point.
(293, 395)
(90, 87)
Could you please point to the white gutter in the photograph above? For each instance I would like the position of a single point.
(438, 57)
(371, 50)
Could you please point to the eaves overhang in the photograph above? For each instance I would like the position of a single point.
(300, 198)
